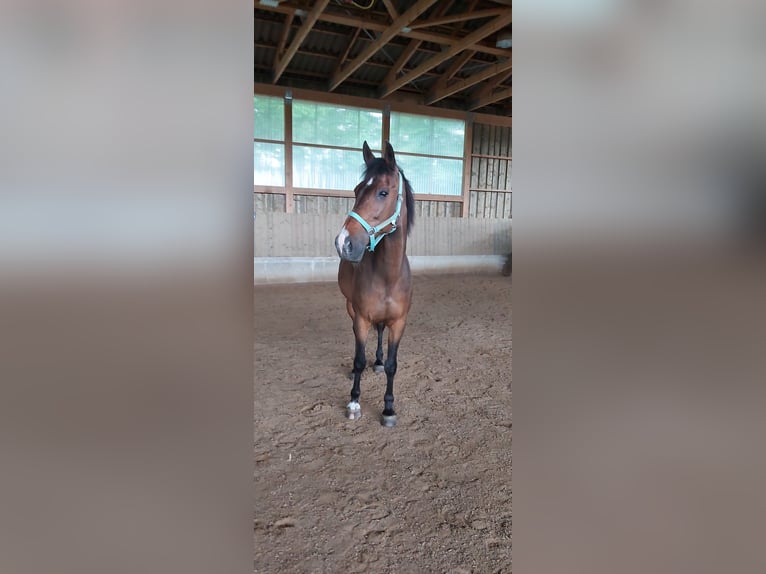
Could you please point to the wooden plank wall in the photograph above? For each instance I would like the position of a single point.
(437, 208)
(310, 235)
(490, 204)
(320, 205)
(491, 168)
(269, 203)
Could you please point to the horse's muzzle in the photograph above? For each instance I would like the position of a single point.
(349, 249)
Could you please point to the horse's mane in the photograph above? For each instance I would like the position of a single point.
(378, 167)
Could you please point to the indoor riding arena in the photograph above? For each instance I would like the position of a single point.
(340, 493)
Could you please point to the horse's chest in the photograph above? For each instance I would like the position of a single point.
(380, 308)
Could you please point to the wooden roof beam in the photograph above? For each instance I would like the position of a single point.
(377, 26)
(467, 42)
(454, 68)
(489, 86)
(490, 98)
(323, 55)
(300, 35)
(447, 40)
(460, 61)
(348, 49)
(283, 39)
(459, 17)
(402, 60)
(415, 10)
(493, 70)
(406, 54)
(391, 9)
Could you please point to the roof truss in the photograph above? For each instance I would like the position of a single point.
(423, 51)
(416, 10)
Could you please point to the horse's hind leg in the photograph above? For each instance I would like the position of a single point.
(361, 327)
(395, 332)
(378, 366)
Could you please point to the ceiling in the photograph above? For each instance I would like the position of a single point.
(440, 53)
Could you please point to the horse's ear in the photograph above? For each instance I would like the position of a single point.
(368, 157)
(389, 156)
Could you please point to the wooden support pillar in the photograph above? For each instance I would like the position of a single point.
(386, 126)
(289, 201)
(467, 161)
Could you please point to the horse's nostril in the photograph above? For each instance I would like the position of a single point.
(347, 246)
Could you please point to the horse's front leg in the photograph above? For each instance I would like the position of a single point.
(361, 327)
(395, 332)
(378, 366)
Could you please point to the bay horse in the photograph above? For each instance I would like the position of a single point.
(374, 273)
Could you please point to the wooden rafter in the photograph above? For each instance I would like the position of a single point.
(416, 10)
(489, 86)
(468, 41)
(348, 49)
(283, 39)
(454, 68)
(377, 26)
(470, 15)
(493, 70)
(404, 57)
(490, 98)
(460, 61)
(413, 45)
(458, 65)
(300, 35)
(391, 9)
(447, 40)
(443, 8)
(326, 56)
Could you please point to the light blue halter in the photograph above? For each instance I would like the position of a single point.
(390, 221)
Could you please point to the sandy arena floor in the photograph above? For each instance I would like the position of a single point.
(432, 494)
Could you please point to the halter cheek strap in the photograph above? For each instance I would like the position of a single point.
(373, 231)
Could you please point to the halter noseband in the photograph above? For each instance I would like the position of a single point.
(390, 221)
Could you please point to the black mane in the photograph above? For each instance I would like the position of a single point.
(378, 167)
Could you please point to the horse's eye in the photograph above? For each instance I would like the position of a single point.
(383, 193)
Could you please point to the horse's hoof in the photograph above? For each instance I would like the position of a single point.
(378, 368)
(388, 420)
(353, 411)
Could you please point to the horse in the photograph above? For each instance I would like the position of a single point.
(374, 272)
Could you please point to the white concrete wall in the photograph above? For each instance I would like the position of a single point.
(280, 270)
(292, 247)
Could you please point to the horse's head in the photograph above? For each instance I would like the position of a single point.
(380, 199)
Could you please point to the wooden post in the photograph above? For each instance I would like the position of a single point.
(289, 202)
(467, 161)
(386, 126)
